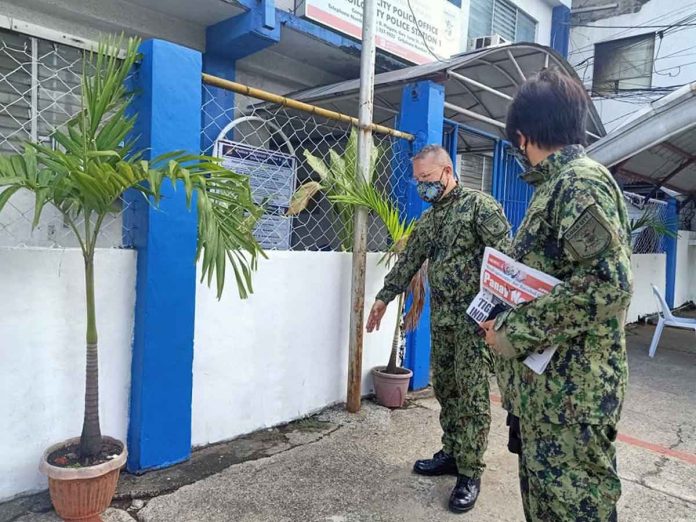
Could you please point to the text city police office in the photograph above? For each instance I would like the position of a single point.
(401, 19)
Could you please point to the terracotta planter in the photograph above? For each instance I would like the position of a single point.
(82, 494)
(390, 388)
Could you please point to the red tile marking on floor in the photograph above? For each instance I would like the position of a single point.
(689, 458)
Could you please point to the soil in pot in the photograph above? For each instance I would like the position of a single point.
(69, 455)
(81, 492)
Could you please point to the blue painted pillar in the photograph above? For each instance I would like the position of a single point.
(227, 42)
(422, 114)
(671, 251)
(560, 30)
(218, 104)
(168, 107)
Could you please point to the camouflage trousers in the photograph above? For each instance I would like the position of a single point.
(461, 365)
(568, 473)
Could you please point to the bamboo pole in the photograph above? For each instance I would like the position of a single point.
(260, 94)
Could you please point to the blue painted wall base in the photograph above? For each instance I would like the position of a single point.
(168, 109)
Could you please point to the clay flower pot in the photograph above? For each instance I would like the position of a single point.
(82, 493)
(390, 388)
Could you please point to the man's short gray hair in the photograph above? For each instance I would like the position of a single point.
(435, 150)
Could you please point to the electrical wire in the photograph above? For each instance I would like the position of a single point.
(630, 26)
(297, 6)
(422, 35)
(687, 8)
(651, 61)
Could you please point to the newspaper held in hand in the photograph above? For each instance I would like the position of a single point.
(506, 283)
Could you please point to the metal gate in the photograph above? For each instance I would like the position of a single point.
(508, 187)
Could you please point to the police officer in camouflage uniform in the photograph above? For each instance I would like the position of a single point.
(576, 229)
(451, 236)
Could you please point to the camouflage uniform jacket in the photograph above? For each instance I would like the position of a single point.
(577, 229)
(451, 235)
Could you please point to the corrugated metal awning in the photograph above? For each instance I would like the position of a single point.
(478, 89)
(658, 145)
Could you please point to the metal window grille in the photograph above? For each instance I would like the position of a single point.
(476, 171)
(39, 91)
(501, 17)
(279, 148)
(504, 20)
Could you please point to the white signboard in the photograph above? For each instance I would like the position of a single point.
(272, 179)
(435, 28)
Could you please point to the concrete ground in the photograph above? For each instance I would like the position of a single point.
(353, 468)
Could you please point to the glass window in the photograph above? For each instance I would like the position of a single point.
(625, 64)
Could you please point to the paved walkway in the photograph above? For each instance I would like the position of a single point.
(342, 468)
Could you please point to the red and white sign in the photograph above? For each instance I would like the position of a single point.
(418, 33)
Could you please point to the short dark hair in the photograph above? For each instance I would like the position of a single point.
(550, 109)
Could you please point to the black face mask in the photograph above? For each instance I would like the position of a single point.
(522, 159)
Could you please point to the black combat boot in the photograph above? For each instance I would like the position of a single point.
(464, 494)
(441, 464)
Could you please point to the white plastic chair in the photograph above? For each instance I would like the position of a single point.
(667, 319)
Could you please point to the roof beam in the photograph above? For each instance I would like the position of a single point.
(480, 85)
(474, 115)
(676, 170)
(646, 179)
(517, 65)
(673, 148)
(477, 99)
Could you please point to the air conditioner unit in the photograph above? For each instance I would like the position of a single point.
(483, 42)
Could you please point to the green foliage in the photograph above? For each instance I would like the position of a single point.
(95, 163)
(651, 220)
(337, 177)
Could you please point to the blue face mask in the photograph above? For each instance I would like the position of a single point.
(431, 191)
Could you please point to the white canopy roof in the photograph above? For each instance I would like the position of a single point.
(658, 144)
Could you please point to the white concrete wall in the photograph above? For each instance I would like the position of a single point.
(42, 350)
(674, 59)
(685, 281)
(648, 269)
(283, 353)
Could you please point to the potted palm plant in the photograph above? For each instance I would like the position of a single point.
(391, 381)
(345, 190)
(84, 176)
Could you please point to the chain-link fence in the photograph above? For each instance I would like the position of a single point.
(687, 216)
(39, 91)
(296, 161)
(649, 218)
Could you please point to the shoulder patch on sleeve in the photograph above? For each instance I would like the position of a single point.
(589, 236)
(494, 224)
